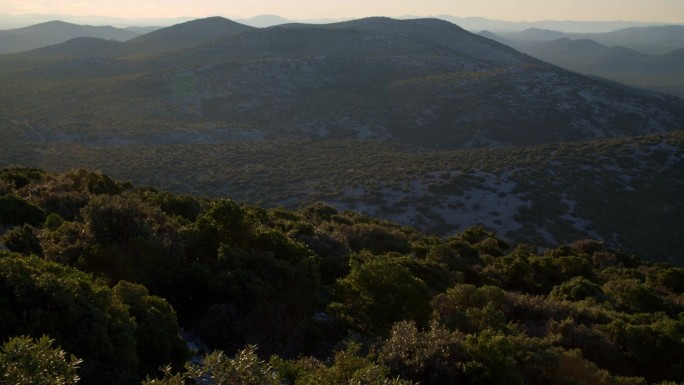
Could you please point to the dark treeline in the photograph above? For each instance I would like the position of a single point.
(102, 282)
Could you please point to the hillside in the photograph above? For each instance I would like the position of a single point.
(644, 57)
(664, 73)
(654, 40)
(650, 40)
(541, 195)
(122, 280)
(185, 35)
(424, 82)
(55, 32)
(371, 114)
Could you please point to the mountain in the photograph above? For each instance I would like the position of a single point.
(566, 26)
(673, 60)
(537, 34)
(81, 46)
(652, 40)
(54, 32)
(25, 20)
(655, 40)
(419, 121)
(425, 82)
(186, 35)
(174, 38)
(587, 55)
(664, 73)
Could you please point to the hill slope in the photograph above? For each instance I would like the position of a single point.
(425, 82)
(623, 191)
(184, 35)
(663, 73)
(55, 32)
(126, 275)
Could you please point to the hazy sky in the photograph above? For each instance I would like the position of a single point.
(671, 11)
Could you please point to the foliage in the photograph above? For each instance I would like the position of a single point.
(24, 361)
(330, 296)
(379, 292)
(22, 239)
(17, 211)
(86, 318)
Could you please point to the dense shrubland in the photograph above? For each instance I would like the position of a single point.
(544, 195)
(99, 277)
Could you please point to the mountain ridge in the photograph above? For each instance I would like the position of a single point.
(55, 32)
(423, 81)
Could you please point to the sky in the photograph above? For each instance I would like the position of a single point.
(668, 11)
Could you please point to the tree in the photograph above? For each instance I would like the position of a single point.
(378, 293)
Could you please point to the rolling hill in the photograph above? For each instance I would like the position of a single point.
(184, 35)
(394, 118)
(651, 40)
(55, 32)
(663, 73)
(424, 82)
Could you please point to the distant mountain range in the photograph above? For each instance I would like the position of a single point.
(654, 40)
(469, 23)
(418, 120)
(649, 58)
(424, 81)
(55, 32)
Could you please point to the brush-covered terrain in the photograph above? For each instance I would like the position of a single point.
(103, 282)
(626, 192)
(415, 121)
(423, 82)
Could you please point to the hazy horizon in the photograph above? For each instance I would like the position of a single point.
(662, 11)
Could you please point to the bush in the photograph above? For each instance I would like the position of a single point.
(378, 293)
(22, 239)
(577, 289)
(24, 361)
(16, 211)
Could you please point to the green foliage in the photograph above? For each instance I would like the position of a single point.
(53, 221)
(25, 361)
(17, 211)
(632, 295)
(121, 219)
(244, 369)
(379, 292)
(491, 359)
(185, 206)
(156, 330)
(576, 289)
(223, 222)
(347, 367)
(468, 308)
(427, 357)
(121, 334)
(20, 177)
(22, 239)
